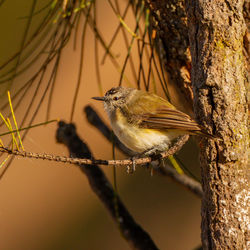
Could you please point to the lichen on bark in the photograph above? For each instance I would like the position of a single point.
(216, 31)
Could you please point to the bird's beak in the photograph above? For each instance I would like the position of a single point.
(98, 98)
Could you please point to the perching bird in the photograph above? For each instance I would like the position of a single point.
(145, 122)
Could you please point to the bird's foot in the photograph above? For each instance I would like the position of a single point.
(131, 168)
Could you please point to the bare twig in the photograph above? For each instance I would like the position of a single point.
(126, 162)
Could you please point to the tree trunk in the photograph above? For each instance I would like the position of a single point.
(216, 30)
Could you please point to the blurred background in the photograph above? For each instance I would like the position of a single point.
(47, 205)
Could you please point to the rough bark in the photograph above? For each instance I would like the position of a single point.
(216, 31)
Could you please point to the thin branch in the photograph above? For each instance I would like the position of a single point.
(126, 162)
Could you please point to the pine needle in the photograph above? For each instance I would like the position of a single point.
(14, 119)
(175, 164)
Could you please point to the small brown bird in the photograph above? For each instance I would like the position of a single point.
(145, 122)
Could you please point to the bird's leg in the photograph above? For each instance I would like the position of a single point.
(152, 152)
(131, 169)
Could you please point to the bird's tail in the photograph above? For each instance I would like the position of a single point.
(204, 133)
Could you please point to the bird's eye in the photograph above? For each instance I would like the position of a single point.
(115, 98)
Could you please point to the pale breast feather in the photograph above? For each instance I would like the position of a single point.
(139, 139)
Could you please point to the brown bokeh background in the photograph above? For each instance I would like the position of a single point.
(46, 205)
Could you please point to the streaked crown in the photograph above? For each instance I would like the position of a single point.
(116, 97)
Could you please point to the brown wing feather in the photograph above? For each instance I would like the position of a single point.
(143, 109)
(166, 118)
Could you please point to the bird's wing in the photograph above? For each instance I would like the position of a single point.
(168, 118)
(153, 112)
